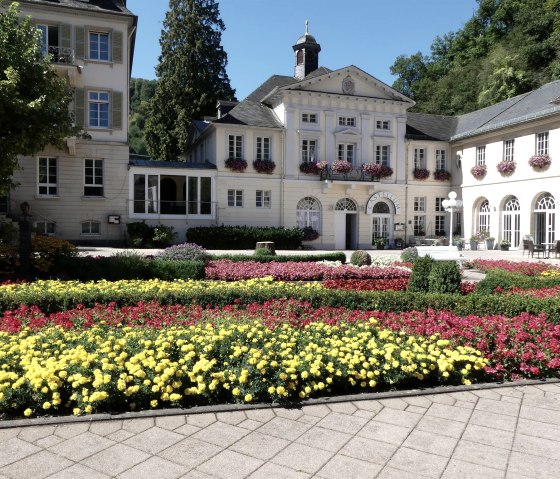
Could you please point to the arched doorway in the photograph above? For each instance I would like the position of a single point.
(382, 222)
(544, 218)
(345, 224)
(484, 216)
(511, 217)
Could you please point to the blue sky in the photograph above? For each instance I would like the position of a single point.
(260, 33)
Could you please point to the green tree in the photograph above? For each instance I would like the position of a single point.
(141, 92)
(191, 75)
(33, 99)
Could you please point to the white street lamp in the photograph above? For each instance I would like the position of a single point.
(452, 205)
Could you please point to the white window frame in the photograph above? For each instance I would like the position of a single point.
(419, 224)
(98, 103)
(309, 150)
(384, 125)
(262, 199)
(441, 160)
(309, 118)
(439, 204)
(419, 158)
(235, 146)
(347, 121)
(263, 150)
(346, 152)
(308, 213)
(235, 198)
(383, 155)
(420, 204)
(47, 188)
(481, 155)
(542, 143)
(95, 181)
(97, 41)
(439, 223)
(89, 224)
(47, 228)
(509, 150)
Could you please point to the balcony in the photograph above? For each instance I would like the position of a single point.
(355, 174)
(61, 55)
(64, 62)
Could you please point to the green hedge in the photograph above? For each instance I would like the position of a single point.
(506, 280)
(308, 258)
(244, 237)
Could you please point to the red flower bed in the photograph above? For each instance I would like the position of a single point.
(529, 269)
(540, 293)
(397, 284)
(227, 270)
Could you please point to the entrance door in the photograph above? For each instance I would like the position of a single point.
(545, 216)
(512, 222)
(382, 223)
(345, 224)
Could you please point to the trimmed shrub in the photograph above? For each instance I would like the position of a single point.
(264, 252)
(139, 233)
(360, 258)
(47, 252)
(312, 258)
(409, 255)
(163, 236)
(419, 278)
(497, 279)
(444, 277)
(244, 237)
(184, 252)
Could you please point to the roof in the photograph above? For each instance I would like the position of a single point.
(420, 126)
(113, 6)
(147, 162)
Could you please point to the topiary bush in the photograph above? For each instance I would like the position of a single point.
(360, 258)
(421, 268)
(244, 237)
(259, 253)
(444, 277)
(184, 252)
(409, 255)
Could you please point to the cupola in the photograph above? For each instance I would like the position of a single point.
(307, 54)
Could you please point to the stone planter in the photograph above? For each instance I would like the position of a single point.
(474, 245)
(489, 244)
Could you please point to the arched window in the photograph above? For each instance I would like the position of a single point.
(512, 221)
(545, 219)
(308, 213)
(346, 204)
(484, 216)
(91, 228)
(299, 57)
(381, 208)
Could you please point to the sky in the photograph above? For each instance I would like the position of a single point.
(259, 35)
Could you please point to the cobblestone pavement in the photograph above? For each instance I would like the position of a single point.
(502, 432)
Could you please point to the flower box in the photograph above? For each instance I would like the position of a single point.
(506, 167)
(442, 175)
(309, 168)
(478, 171)
(376, 170)
(236, 164)
(421, 173)
(310, 234)
(540, 161)
(264, 166)
(342, 166)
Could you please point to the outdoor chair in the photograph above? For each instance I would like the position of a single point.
(557, 249)
(526, 239)
(536, 249)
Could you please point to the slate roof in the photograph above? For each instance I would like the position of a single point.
(420, 126)
(112, 6)
(146, 161)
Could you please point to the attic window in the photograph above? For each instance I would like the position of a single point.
(299, 57)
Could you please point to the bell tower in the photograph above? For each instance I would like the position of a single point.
(306, 51)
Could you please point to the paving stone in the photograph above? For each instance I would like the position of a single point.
(170, 422)
(284, 428)
(154, 467)
(416, 410)
(104, 428)
(421, 401)
(381, 431)
(79, 471)
(34, 433)
(540, 414)
(445, 411)
(190, 452)
(492, 420)
(488, 394)
(418, 462)
(250, 424)
(482, 454)
(369, 450)
(276, 471)
(446, 427)
(201, 420)
(531, 391)
(311, 420)
(195, 474)
(68, 431)
(373, 406)
(514, 400)
(293, 414)
(187, 430)
(342, 407)
(399, 418)
(365, 414)
(82, 446)
(441, 399)
(394, 403)
(15, 449)
(538, 429)
(36, 466)
(302, 458)
(544, 403)
(260, 446)
(431, 442)
(465, 470)
(342, 423)
(115, 459)
(511, 392)
(262, 415)
(230, 465)
(488, 436)
(48, 441)
(497, 407)
(553, 387)
(154, 440)
(231, 417)
(533, 466)
(393, 473)
(7, 434)
(221, 434)
(537, 446)
(466, 396)
(465, 404)
(120, 436)
(138, 425)
(324, 439)
(318, 410)
(349, 468)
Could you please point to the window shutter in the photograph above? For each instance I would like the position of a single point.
(116, 105)
(80, 42)
(117, 42)
(65, 35)
(79, 107)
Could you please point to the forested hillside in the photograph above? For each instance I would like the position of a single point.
(508, 47)
(141, 91)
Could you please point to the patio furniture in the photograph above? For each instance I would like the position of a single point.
(538, 249)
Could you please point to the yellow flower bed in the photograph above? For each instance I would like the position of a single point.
(551, 273)
(114, 369)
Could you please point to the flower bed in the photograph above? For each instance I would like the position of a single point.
(397, 284)
(529, 269)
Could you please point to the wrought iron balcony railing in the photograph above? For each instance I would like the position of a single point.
(62, 55)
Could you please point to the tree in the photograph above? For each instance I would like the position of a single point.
(409, 70)
(191, 75)
(33, 99)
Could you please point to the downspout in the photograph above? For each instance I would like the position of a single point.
(282, 180)
(407, 143)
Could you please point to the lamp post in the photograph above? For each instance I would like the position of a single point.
(451, 205)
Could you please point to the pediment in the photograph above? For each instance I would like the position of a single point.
(348, 131)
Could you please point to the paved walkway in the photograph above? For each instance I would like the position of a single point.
(503, 432)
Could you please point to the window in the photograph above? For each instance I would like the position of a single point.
(542, 143)
(309, 117)
(263, 148)
(419, 158)
(308, 213)
(93, 177)
(419, 203)
(91, 228)
(262, 199)
(4, 202)
(48, 176)
(383, 155)
(347, 121)
(98, 107)
(439, 204)
(235, 147)
(481, 155)
(346, 152)
(46, 228)
(382, 124)
(508, 150)
(49, 39)
(441, 160)
(440, 225)
(419, 225)
(99, 46)
(308, 150)
(235, 198)
(484, 216)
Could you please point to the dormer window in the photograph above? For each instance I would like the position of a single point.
(309, 117)
(347, 120)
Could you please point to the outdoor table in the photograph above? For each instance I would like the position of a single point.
(549, 247)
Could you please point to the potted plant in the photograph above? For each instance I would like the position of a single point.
(506, 167)
(473, 242)
(379, 243)
(420, 173)
(236, 164)
(342, 166)
(504, 245)
(309, 168)
(310, 234)
(490, 243)
(459, 242)
(442, 175)
(478, 171)
(375, 170)
(264, 166)
(540, 161)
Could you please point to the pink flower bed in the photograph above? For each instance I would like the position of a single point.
(396, 284)
(227, 270)
(540, 293)
(529, 269)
